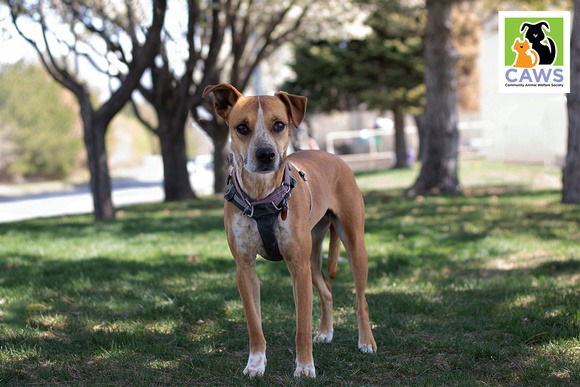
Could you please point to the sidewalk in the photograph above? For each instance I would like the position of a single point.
(135, 185)
(75, 200)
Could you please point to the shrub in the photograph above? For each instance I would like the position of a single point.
(36, 120)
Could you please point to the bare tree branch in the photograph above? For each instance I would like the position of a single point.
(48, 63)
(271, 43)
(139, 63)
(147, 124)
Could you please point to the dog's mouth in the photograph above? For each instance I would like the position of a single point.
(265, 170)
(261, 169)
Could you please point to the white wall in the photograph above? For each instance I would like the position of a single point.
(528, 128)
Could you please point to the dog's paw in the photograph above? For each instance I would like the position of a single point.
(305, 370)
(323, 337)
(367, 348)
(256, 364)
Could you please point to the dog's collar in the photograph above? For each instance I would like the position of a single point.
(264, 211)
(273, 203)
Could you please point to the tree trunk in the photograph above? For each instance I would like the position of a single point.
(218, 132)
(100, 179)
(420, 124)
(176, 183)
(220, 163)
(571, 176)
(439, 168)
(401, 156)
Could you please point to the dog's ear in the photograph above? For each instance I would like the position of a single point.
(295, 106)
(225, 97)
(544, 23)
(524, 25)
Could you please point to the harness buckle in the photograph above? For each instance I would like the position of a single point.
(251, 214)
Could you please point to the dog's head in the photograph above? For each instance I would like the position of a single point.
(259, 126)
(535, 33)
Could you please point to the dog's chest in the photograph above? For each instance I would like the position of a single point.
(247, 238)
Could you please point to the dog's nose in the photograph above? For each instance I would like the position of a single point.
(265, 155)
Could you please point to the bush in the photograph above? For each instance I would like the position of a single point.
(37, 123)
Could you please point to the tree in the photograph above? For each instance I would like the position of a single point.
(95, 37)
(402, 22)
(439, 168)
(174, 90)
(256, 30)
(571, 175)
(383, 71)
(329, 72)
(38, 124)
(226, 40)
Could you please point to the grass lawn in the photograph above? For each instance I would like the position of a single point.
(480, 289)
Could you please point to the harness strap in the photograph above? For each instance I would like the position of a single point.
(305, 178)
(264, 211)
(266, 225)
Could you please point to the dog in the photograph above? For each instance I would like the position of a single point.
(524, 60)
(535, 35)
(311, 192)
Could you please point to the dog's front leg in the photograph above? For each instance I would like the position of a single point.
(249, 287)
(299, 267)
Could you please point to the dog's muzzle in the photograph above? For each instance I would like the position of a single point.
(266, 158)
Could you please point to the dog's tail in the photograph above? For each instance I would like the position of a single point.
(333, 250)
(552, 51)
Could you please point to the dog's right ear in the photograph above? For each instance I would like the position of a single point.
(225, 97)
(524, 25)
(545, 24)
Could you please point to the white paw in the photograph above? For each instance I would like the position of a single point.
(323, 337)
(366, 348)
(304, 370)
(256, 364)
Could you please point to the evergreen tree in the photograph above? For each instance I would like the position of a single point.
(383, 71)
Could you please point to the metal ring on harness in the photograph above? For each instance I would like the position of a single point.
(251, 213)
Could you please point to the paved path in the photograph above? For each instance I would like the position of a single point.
(76, 200)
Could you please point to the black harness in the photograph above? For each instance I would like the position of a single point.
(264, 211)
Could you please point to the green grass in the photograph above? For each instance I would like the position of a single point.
(480, 289)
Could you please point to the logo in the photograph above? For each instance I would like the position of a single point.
(534, 52)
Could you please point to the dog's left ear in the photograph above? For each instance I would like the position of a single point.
(225, 97)
(524, 25)
(295, 106)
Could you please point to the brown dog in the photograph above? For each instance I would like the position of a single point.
(325, 197)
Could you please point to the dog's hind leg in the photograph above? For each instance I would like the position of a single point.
(325, 329)
(351, 233)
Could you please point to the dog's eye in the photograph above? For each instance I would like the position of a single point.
(279, 126)
(243, 129)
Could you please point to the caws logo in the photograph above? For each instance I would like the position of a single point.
(534, 52)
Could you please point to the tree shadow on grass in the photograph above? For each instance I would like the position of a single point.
(171, 321)
(470, 219)
(110, 321)
(131, 226)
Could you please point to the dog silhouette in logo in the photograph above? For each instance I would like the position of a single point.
(523, 59)
(535, 35)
